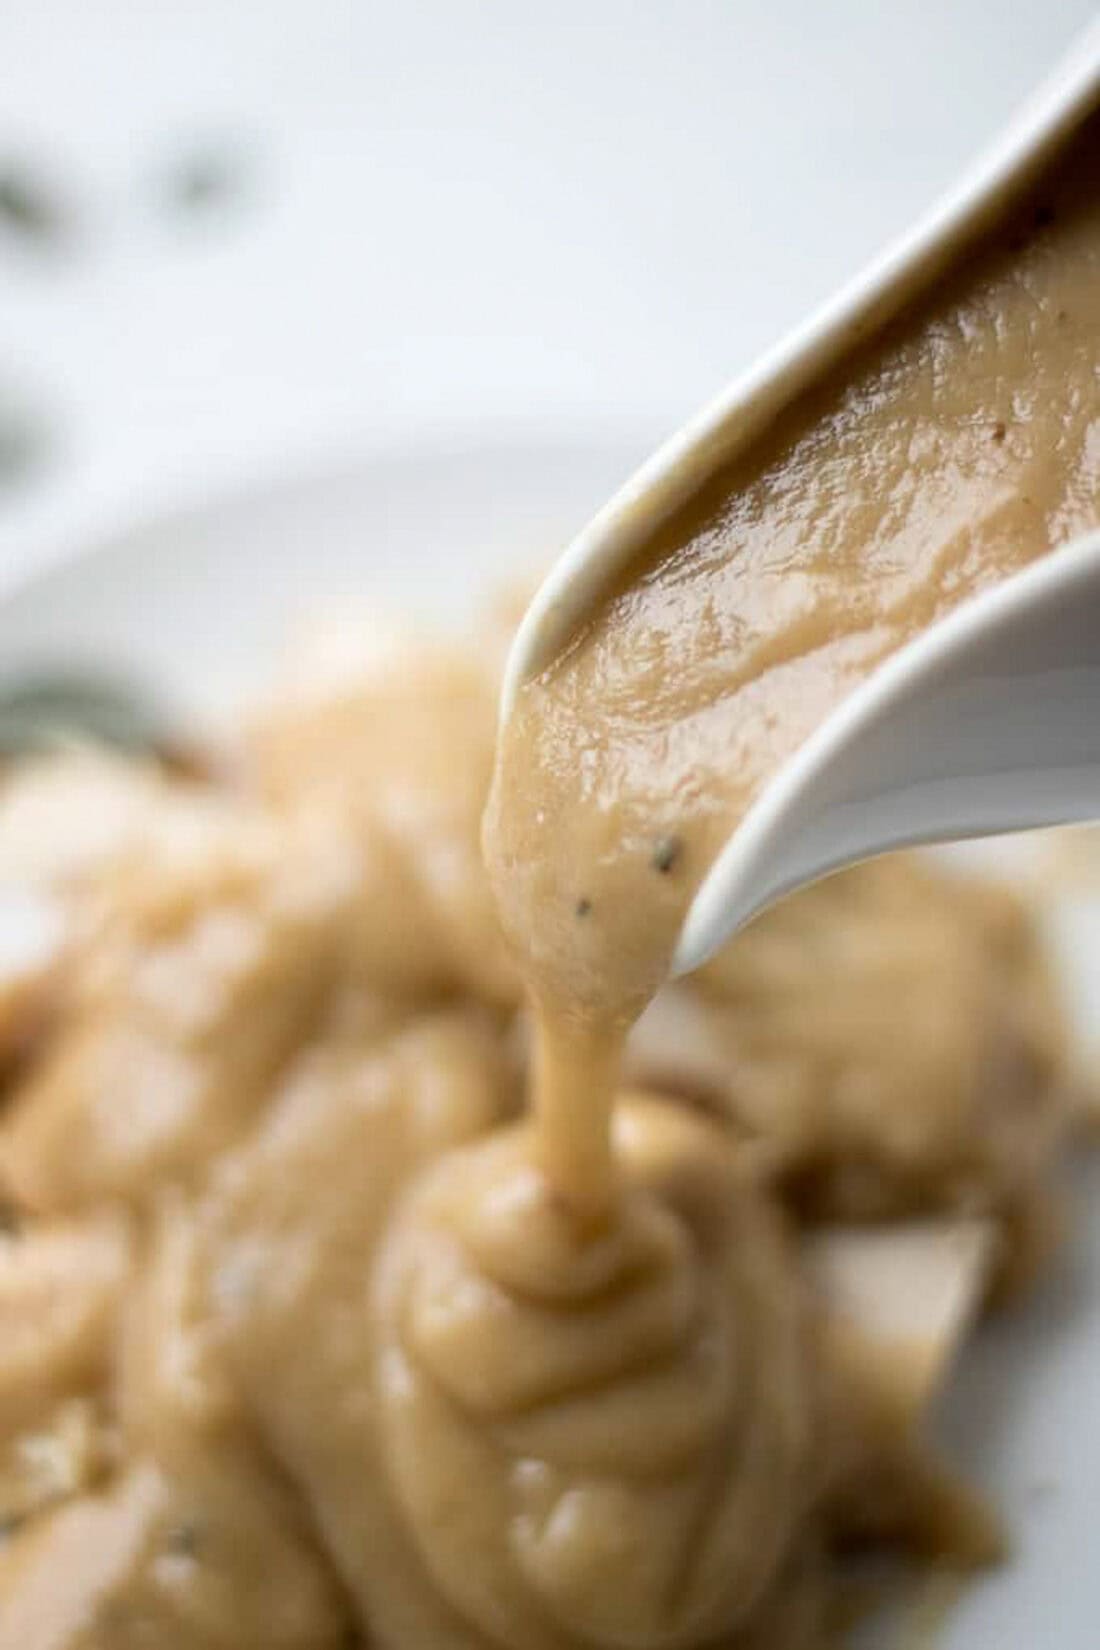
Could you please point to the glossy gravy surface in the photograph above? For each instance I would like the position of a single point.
(958, 446)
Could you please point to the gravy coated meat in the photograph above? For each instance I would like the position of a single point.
(401, 752)
(208, 961)
(890, 1038)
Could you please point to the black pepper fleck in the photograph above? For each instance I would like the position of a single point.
(666, 854)
(1044, 215)
(999, 431)
(583, 907)
(183, 1538)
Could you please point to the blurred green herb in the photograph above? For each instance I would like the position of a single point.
(208, 178)
(28, 208)
(24, 445)
(39, 711)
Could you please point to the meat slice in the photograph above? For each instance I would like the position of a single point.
(214, 1559)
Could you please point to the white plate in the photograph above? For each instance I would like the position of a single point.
(199, 599)
(198, 602)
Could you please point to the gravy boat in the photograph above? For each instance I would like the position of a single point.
(990, 720)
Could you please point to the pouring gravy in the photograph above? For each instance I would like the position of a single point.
(958, 446)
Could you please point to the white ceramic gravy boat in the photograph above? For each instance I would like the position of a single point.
(989, 721)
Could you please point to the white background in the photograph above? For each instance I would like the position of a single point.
(564, 216)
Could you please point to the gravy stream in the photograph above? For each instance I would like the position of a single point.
(959, 445)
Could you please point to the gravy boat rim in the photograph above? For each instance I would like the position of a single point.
(729, 423)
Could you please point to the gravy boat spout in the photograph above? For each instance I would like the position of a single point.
(989, 722)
